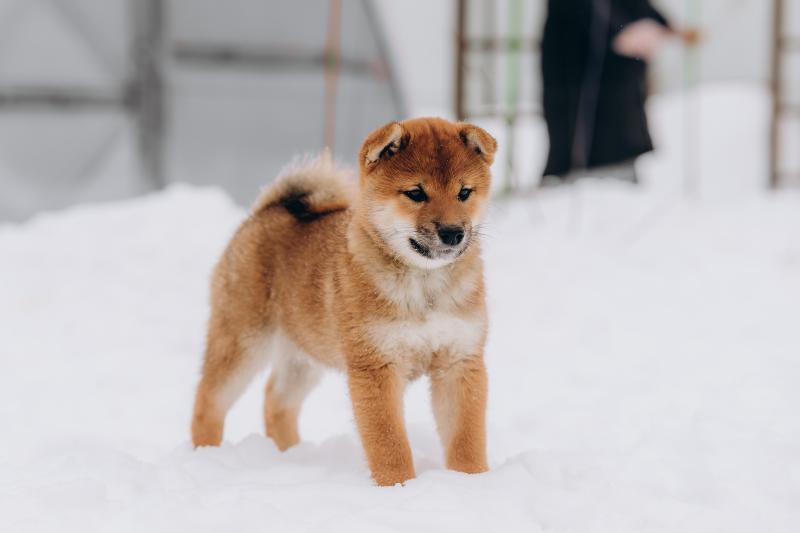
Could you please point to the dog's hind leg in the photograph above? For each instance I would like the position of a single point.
(293, 377)
(228, 367)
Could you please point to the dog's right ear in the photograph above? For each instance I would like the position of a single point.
(383, 143)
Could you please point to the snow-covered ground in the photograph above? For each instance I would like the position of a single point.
(644, 361)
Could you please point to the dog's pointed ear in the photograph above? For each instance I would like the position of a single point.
(479, 141)
(383, 143)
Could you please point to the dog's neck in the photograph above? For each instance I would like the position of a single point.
(413, 290)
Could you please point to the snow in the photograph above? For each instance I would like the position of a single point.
(643, 358)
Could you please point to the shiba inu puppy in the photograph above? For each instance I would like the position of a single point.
(383, 281)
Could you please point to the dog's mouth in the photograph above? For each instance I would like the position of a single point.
(424, 251)
(440, 252)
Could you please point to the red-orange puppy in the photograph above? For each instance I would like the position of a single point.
(384, 282)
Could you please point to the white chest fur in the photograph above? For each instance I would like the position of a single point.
(422, 292)
(435, 322)
(435, 332)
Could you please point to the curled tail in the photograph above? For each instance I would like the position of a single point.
(309, 189)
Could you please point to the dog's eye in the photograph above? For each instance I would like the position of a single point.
(464, 193)
(416, 195)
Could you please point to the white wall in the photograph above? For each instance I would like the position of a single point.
(421, 39)
(736, 44)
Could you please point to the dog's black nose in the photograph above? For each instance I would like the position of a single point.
(451, 235)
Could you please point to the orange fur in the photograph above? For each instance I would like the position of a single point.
(370, 282)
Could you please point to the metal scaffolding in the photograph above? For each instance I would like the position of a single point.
(478, 54)
(783, 110)
(141, 85)
(484, 56)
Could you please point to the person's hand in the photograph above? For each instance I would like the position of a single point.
(690, 37)
(640, 39)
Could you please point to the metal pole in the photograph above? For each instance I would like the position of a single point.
(333, 56)
(386, 59)
(776, 86)
(692, 122)
(513, 60)
(461, 22)
(489, 70)
(146, 88)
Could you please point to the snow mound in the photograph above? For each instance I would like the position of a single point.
(643, 361)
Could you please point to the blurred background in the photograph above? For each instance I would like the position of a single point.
(112, 99)
(643, 342)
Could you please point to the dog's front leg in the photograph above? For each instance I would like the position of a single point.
(458, 393)
(376, 391)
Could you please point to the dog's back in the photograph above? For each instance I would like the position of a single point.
(295, 227)
(274, 276)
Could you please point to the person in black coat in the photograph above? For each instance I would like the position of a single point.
(594, 56)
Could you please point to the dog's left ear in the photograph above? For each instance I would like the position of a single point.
(480, 142)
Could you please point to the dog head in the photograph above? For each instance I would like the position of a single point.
(424, 187)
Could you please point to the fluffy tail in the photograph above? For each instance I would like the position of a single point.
(309, 189)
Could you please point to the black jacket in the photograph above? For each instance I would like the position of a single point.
(593, 97)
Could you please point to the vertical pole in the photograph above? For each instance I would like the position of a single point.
(776, 85)
(692, 119)
(333, 56)
(386, 59)
(461, 22)
(489, 60)
(512, 88)
(146, 89)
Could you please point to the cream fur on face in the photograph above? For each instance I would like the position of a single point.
(396, 233)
